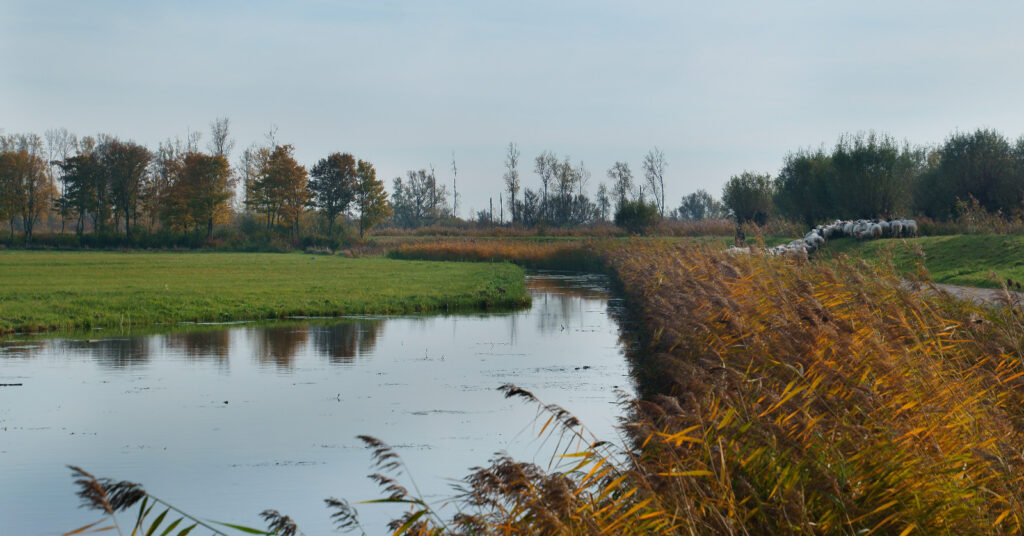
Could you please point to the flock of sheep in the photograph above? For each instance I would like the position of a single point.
(859, 229)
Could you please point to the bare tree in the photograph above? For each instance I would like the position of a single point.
(271, 136)
(545, 165)
(455, 188)
(622, 183)
(220, 144)
(512, 178)
(603, 202)
(582, 178)
(192, 141)
(654, 176)
(60, 145)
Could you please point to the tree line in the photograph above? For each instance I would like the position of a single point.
(104, 186)
(874, 176)
(107, 186)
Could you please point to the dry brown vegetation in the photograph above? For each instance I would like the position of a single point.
(785, 398)
(777, 397)
(562, 254)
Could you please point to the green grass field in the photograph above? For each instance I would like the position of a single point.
(65, 290)
(957, 259)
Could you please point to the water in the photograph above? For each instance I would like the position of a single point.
(225, 422)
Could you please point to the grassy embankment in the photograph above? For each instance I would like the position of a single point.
(63, 290)
(971, 260)
(781, 398)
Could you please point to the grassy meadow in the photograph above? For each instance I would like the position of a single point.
(42, 290)
(970, 260)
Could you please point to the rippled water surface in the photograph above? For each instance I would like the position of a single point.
(224, 422)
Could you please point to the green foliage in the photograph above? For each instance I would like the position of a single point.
(64, 290)
(749, 197)
(371, 198)
(124, 164)
(802, 188)
(700, 205)
(637, 217)
(865, 176)
(278, 188)
(982, 165)
(419, 200)
(198, 193)
(334, 183)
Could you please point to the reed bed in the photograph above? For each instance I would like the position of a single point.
(784, 397)
(778, 397)
(822, 399)
(558, 255)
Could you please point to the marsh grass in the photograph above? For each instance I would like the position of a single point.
(551, 255)
(783, 397)
(796, 398)
(111, 497)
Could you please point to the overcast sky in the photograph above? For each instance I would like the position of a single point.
(720, 88)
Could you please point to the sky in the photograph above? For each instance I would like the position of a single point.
(720, 87)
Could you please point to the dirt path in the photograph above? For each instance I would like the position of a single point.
(994, 296)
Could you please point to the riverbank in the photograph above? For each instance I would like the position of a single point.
(790, 397)
(45, 291)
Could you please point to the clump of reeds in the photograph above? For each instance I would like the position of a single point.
(557, 255)
(822, 398)
(113, 496)
(780, 397)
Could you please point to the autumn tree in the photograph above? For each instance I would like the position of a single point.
(198, 193)
(371, 198)
(278, 188)
(25, 185)
(333, 182)
(125, 164)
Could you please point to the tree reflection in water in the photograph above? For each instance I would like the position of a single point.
(343, 342)
(114, 353)
(201, 345)
(278, 345)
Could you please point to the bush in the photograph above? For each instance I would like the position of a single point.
(637, 217)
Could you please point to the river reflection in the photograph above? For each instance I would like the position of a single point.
(228, 421)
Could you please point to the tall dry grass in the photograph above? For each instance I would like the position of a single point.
(787, 398)
(823, 398)
(779, 397)
(558, 255)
